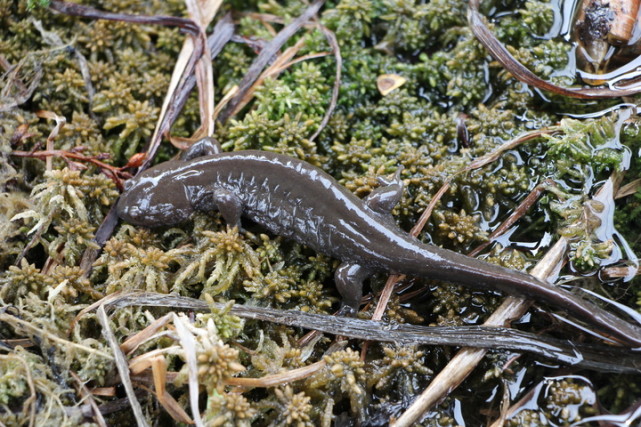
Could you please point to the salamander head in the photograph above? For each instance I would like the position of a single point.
(154, 199)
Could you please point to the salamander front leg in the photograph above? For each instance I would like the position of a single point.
(349, 282)
(383, 199)
(222, 200)
(204, 147)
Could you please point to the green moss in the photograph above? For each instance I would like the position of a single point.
(459, 228)
(462, 75)
(82, 130)
(216, 261)
(533, 18)
(19, 281)
(216, 361)
(566, 400)
(397, 370)
(134, 268)
(590, 142)
(344, 375)
(350, 20)
(69, 201)
(234, 61)
(26, 380)
(227, 325)
(286, 135)
(296, 409)
(228, 409)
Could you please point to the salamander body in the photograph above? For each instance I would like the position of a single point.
(296, 200)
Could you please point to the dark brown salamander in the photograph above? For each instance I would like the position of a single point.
(294, 199)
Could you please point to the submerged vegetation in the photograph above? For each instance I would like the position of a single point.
(109, 79)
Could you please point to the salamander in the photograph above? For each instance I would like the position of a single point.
(294, 199)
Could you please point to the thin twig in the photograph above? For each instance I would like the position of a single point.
(74, 9)
(510, 145)
(618, 272)
(86, 394)
(60, 122)
(113, 172)
(628, 189)
(189, 57)
(43, 334)
(331, 39)
(123, 367)
(507, 413)
(281, 378)
(202, 14)
(220, 36)
(520, 210)
(133, 342)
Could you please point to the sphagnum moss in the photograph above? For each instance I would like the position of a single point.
(369, 135)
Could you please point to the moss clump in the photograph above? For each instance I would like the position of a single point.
(593, 143)
(228, 409)
(26, 380)
(296, 409)
(227, 325)
(138, 119)
(131, 268)
(216, 361)
(566, 400)
(216, 261)
(459, 228)
(19, 281)
(344, 375)
(398, 369)
(67, 192)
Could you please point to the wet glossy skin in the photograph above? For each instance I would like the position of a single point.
(291, 198)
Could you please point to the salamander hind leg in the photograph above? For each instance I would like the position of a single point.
(349, 282)
(383, 199)
(223, 201)
(204, 147)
